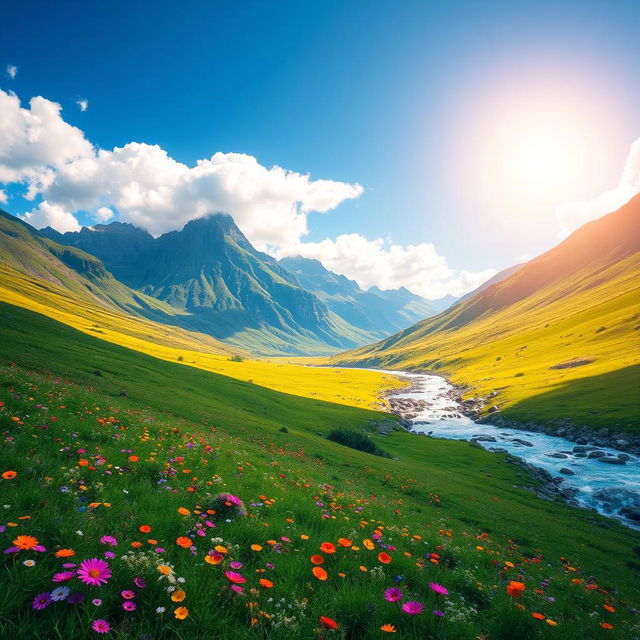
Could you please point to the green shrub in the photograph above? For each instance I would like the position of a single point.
(356, 440)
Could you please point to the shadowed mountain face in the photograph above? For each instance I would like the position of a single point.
(380, 312)
(229, 289)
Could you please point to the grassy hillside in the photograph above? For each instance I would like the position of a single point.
(556, 341)
(146, 467)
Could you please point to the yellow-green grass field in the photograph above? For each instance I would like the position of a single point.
(594, 321)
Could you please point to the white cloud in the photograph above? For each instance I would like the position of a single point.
(140, 183)
(52, 215)
(103, 214)
(12, 71)
(83, 104)
(572, 215)
(35, 142)
(418, 267)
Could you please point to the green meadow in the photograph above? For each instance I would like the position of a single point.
(108, 441)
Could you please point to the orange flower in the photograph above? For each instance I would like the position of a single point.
(65, 553)
(606, 625)
(184, 542)
(183, 512)
(328, 547)
(317, 559)
(256, 547)
(267, 584)
(178, 596)
(328, 623)
(214, 558)
(388, 628)
(385, 558)
(136, 544)
(551, 623)
(515, 589)
(83, 462)
(368, 544)
(609, 608)
(133, 458)
(538, 616)
(181, 613)
(9, 475)
(165, 570)
(344, 542)
(144, 528)
(319, 573)
(25, 543)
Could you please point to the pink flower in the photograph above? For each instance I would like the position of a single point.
(139, 582)
(393, 594)
(63, 576)
(110, 540)
(234, 577)
(127, 594)
(439, 589)
(235, 565)
(237, 588)
(127, 605)
(412, 608)
(101, 626)
(94, 572)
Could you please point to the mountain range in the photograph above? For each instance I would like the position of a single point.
(210, 279)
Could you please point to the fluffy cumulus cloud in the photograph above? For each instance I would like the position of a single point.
(12, 70)
(572, 215)
(83, 104)
(377, 262)
(52, 215)
(35, 141)
(140, 183)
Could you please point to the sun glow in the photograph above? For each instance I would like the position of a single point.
(542, 160)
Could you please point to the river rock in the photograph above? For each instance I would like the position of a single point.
(624, 456)
(597, 454)
(633, 513)
(524, 443)
(566, 472)
(557, 454)
(611, 460)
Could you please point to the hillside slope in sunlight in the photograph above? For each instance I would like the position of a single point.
(105, 449)
(85, 296)
(555, 341)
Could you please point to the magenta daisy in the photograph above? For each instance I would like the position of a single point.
(439, 589)
(42, 601)
(110, 540)
(63, 576)
(94, 572)
(412, 607)
(128, 605)
(393, 594)
(234, 577)
(101, 626)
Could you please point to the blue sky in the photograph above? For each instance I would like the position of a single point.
(404, 98)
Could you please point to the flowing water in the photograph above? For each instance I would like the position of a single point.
(602, 486)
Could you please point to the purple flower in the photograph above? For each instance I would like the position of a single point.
(110, 540)
(439, 589)
(128, 605)
(412, 607)
(438, 613)
(60, 593)
(393, 594)
(42, 601)
(76, 598)
(139, 582)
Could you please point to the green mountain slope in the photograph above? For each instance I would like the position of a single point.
(377, 312)
(221, 285)
(546, 342)
(110, 442)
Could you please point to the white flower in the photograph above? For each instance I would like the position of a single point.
(181, 580)
(160, 610)
(29, 563)
(79, 532)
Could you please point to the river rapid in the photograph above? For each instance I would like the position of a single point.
(612, 487)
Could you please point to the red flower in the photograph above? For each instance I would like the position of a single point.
(328, 623)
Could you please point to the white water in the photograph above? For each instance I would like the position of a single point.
(601, 486)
